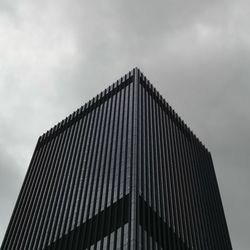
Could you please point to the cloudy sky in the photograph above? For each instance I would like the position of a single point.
(56, 55)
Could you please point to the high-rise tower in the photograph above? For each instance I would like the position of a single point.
(121, 172)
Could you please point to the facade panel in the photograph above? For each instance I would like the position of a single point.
(122, 172)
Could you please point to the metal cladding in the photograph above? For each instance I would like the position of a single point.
(122, 172)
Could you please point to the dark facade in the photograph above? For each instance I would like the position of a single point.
(122, 172)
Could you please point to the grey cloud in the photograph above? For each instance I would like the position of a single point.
(10, 184)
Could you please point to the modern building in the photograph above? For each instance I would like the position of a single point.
(121, 172)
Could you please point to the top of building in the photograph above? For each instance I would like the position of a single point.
(109, 92)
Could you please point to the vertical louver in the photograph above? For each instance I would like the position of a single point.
(122, 172)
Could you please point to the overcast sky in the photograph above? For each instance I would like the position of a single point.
(56, 55)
